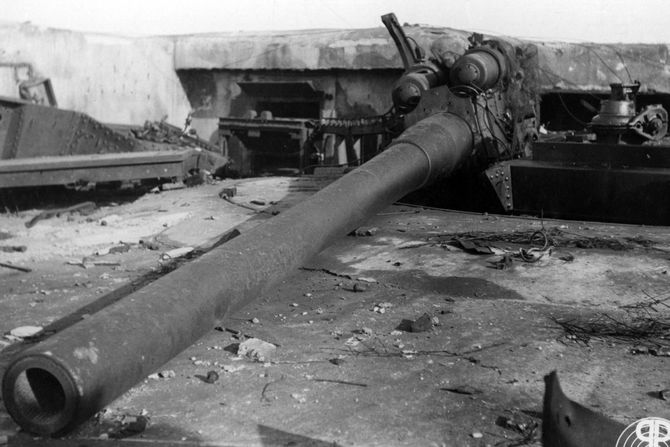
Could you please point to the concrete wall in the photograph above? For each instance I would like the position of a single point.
(130, 80)
(114, 79)
(215, 93)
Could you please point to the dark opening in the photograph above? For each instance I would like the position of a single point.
(291, 109)
(39, 396)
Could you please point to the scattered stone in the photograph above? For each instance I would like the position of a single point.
(422, 324)
(381, 307)
(337, 361)
(366, 331)
(232, 368)
(294, 304)
(664, 394)
(477, 435)
(299, 397)
(212, 376)
(660, 352)
(167, 374)
(396, 332)
(25, 331)
(256, 349)
(365, 231)
(352, 341)
(567, 258)
(13, 248)
(228, 192)
(255, 320)
(358, 287)
(176, 253)
(172, 186)
(308, 295)
(258, 202)
(639, 350)
(435, 321)
(367, 279)
(150, 245)
(132, 425)
(463, 389)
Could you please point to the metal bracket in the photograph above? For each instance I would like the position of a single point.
(500, 177)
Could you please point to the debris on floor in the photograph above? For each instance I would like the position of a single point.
(13, 248)
(25, 331)
(15, 267)
(176, 253)
(84, 208)
(422, 324)
(257, 349)
(364, 231)
(211, 377)
(166, 374)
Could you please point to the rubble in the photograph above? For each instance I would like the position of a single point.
(422, 324)
(228, 192)
(13, 248)
(25, 331)
(257, 349)
(176, 253)
(211, 377)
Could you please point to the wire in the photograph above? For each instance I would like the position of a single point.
(630, 78)
(567, 81)
(602, 60)
(565, 106)
(505, 144)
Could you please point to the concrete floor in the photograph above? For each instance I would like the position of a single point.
(344, 373)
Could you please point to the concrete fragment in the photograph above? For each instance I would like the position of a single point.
(227, 192)
(359, 287)
(25, 331)
(13, 248)
(172, 186)
(422, 324)
(367, 279)
(212, 376)
(365, 231)
(257, 349)
(299, 397)
(232, 368)
(176, 253)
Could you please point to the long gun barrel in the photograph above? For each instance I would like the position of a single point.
(51, 387)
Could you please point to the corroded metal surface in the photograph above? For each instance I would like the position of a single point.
(53, 386)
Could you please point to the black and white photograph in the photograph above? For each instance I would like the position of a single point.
(334, 223)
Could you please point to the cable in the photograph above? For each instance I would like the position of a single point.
(565, 106)
(505, 144)
(567, 81)
(602, 60)
(630, 78)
